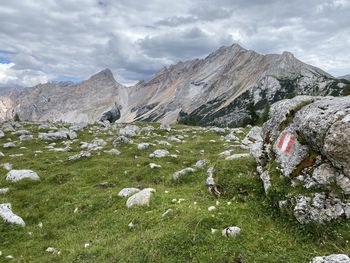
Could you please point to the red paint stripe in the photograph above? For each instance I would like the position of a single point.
(290, 144)
(280, 143)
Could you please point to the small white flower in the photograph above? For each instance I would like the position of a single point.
(211, 208)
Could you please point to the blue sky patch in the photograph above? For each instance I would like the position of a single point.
(4, 60)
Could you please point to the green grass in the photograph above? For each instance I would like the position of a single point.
(182, 236)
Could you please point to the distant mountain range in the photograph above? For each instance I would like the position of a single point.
(232, 86)
(347, 77)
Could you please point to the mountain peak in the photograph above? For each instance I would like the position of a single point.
(103, 74)
(287, 54)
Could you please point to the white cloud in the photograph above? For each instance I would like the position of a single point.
(135, 38)
(27, 78)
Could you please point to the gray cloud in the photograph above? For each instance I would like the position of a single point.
(53, 39)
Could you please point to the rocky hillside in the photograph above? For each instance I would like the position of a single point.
(62, 101)
(230, 87)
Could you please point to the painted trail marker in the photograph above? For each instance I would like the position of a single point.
(286, 142)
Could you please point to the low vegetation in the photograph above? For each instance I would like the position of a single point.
(75, 207)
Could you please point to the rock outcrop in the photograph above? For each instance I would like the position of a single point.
(305, 141)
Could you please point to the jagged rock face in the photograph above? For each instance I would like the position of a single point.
(225, 89)
(230, 87)
(306, 137)
(64, 101)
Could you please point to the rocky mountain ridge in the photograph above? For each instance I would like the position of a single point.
(230, 87)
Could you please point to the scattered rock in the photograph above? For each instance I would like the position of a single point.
(113, 152)
(201, 163)
(168, 211)
(183, 172)
(153, 165)
(129, 131)
(159, 153)
(335, 258)
(237, 156)
(9, 145)
(232, 231)
(143, 146)
(8, 216)
(82, 154)
(52, 250)
(25, 137)
(6, 166)
(122, 140)
(141, 198)
(17, 175)
(4, 191)
(128, 192)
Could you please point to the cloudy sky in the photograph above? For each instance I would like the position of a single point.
(49, 40)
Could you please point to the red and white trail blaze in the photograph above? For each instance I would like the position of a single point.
(286, 142)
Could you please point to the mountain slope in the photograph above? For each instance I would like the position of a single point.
(232, 86)
(347, 77)
(64, 101)
(221, 88)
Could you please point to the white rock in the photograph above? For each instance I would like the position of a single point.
(8, 216)
(129, 131)
(17, 175)
(183, 172)
(128, 192)
(231, 137)
(225, 153)
(25, 137)
(52, 250)
(141, 198)
(174, 139)
(335, 258)
(143, 146)
(232, 231)
(159, 153)
(165, 143)
(201, 163)
(79, 155)
(180, 200)
(237, 156)
(4, 190)
(9, 145)
(6, 166)
(113, 152)
(153, 165)
(167, 212)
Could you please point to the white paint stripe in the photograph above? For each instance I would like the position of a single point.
(285, 143)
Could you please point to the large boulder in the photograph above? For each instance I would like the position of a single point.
(112, 115)
(305, 147)
(141, 198)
